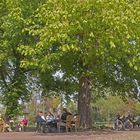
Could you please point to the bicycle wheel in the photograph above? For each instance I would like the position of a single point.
(128, 125)
(118, 125)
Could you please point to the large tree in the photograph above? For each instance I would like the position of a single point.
(89, 41)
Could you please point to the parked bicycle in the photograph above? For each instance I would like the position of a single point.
(123, 123)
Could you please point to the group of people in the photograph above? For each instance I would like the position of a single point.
(9, 125)
(43, 121)
(50, 120)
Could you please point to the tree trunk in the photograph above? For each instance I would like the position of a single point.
(84, 108)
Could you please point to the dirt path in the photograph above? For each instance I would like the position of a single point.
(92, 135)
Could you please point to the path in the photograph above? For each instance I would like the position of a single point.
(92, 135)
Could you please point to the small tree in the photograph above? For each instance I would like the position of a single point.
(110, 106)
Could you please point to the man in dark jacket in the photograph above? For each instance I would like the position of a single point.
(40, 122)
(64, 115)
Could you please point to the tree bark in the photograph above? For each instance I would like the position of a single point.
(84, 100)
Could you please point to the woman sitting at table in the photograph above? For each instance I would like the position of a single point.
(51, 121)
(50, 117)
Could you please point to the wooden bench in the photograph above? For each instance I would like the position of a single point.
(71, 122)
(75, 122)
(67, 124)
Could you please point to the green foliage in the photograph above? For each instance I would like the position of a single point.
(87, 37)
(80, 38)
(136, 108)
(106, 109)
(12, 77)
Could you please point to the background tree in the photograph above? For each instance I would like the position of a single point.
(12, 77)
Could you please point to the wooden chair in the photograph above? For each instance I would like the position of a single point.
(67, 124)
(2, 125)
(76, 122)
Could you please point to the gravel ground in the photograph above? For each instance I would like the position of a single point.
(90, 135)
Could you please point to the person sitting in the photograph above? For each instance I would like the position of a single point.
(50, 117)
(64, 115)
(62, 124)
(24, 123)
(41, 122)
(51, 121)
(136, 121)
(58, 118)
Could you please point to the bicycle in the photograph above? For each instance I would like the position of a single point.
(123, 124)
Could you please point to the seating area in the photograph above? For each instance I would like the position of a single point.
(72, 123)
